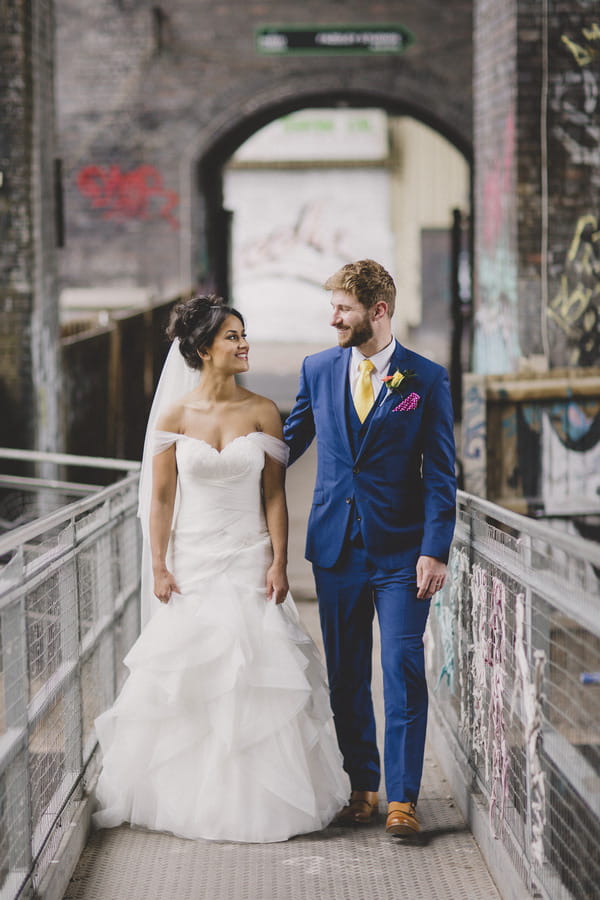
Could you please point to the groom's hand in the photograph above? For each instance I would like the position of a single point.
(431, 576)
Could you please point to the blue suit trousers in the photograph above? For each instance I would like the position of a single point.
(349, 593)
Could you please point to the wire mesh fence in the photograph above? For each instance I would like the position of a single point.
(69, 598)
(513, 650)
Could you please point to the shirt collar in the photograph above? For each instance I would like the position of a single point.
(380, 360)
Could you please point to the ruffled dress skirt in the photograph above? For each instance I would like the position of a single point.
(223, 729)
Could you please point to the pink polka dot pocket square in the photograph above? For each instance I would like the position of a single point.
(409, 403)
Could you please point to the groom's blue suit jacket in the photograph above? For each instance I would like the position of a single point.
(400, 479)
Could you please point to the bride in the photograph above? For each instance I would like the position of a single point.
(223, 729)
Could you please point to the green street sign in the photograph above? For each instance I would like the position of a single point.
(346, 40)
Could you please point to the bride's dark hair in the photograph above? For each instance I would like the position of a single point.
(196, 323)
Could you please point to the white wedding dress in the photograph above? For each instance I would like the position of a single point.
(223, 729)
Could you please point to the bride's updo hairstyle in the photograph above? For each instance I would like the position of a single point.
(196, 323)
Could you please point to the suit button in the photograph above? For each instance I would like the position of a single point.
(348, 499)
(358, 519)
(355, 470)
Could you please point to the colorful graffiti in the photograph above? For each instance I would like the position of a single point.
(575, 308)
(137, 194)
(486, 669)
(448, 606)
(496, 346)
(495, 657)
(530, 693)
(497, 187)
(560, 447)
(474, 454)
(544, 451)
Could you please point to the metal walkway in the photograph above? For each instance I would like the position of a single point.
(527, 591)
(335, 864)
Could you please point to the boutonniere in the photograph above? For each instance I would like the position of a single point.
(397, 382)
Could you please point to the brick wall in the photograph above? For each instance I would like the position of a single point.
(28, 294)
(573, 243)
(494, 124)
(145, 98)
(537, 188)
(16, 252)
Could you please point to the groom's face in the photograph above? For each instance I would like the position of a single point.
(350, 319)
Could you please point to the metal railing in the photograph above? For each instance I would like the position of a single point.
(69, 611)
(513, 652)
(509, 642)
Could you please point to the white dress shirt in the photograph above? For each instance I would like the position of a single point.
(380, 360)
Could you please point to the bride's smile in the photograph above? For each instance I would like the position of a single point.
(228, 354)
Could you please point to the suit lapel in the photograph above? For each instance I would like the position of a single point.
(339, 385)
(383, 400)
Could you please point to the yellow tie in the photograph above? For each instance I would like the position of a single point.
(363, 392)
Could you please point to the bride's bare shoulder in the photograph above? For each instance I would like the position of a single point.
(171, 419)
(266, 414)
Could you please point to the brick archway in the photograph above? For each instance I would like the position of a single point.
(153, 109)
(209, 221)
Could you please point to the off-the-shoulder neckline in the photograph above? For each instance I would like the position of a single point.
(190, 437)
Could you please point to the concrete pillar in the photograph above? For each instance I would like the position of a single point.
(29, 368)
(537, 184)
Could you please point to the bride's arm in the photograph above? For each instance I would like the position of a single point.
(164, 485)
(276, 514)
(277, 524)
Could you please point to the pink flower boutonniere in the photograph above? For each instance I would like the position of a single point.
(397, 382)
(409, 403)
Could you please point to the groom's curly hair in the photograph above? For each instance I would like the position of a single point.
(196, 323)
(367, 280)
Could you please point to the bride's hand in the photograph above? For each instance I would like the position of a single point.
(277, 583)
(164, 585)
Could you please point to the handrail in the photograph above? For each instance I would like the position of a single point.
(67, 459)
(28, 532)
(535, 528)
(513, 642)
(69, 609)
(25, 483)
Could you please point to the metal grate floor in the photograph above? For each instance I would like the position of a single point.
(335, 864)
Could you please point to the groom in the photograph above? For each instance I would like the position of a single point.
(379, 531)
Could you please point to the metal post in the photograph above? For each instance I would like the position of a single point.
(18, 798)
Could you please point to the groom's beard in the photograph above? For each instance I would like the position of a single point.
(356, 335)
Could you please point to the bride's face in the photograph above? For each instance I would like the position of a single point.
(229, 350)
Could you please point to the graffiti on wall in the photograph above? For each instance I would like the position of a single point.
(560, 447)
(545, 451)
(496, 346)
(529, 694)
(574, 97)
(137, 194)
(483, 664)
(474, 455)
(290, 230)
(306, 233)
(575, 308)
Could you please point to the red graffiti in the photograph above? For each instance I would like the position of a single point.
(138, 194)
(497, 186)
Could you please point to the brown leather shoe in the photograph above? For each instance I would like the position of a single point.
(402, 819)
(361, 810)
